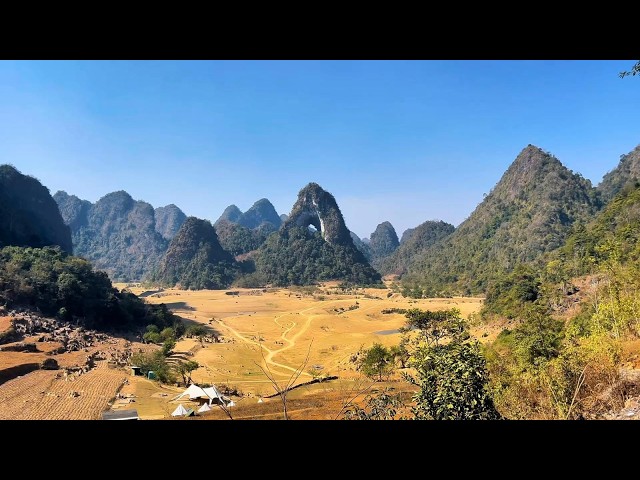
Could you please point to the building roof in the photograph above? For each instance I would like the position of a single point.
(131, 414)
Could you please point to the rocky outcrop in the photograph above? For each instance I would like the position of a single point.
(296, 256)
(318, 207)
(260, 212)
(118, 234)
(29, 216)
(383, 242)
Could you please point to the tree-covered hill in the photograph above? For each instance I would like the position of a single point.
(627, 172)
(169, 219)
(529, 212)
(296, 256)
(28, 214)
(195, 259)
(237, 239)
(420, 238)
(382, 243)
(57, 284)
(118, 234)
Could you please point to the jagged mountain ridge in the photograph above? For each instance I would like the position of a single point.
(260, 213)
(117, 234)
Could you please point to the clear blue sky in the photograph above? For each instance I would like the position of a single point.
(404, 141)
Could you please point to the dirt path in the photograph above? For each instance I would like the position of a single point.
(291, 342)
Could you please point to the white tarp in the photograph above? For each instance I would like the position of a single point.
(194, 392)
(180, 411)
(204, 408)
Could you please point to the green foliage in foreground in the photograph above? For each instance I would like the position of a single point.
(55, 283)
(450, 369)
(383, 406)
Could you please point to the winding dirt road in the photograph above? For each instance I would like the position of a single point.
(291, 342)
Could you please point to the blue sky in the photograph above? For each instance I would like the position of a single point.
(403, 141)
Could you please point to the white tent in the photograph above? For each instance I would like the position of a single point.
(180, 411)
(204, 408)
(194, 392)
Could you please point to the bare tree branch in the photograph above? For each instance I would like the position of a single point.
(282, 392)
(348, 401)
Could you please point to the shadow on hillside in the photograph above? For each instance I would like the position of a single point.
(188, 322)
(148, 293)
(178, 306)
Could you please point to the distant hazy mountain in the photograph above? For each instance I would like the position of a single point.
(261, 212)
(529, 212)
(231, 214)
(382, 243)
(117, 234)
(169, 219)
(626, 173)
(360, 245)
(294, 255)
(195, 259)
(29, 216)
(284, 217)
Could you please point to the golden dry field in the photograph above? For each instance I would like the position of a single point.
(277, 329)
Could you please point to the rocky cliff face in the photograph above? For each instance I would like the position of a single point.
(319, 208)
(383, 242)
(117, 234)
(296, 256)
(29, 216)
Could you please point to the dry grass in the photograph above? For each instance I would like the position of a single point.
(5, 323)
(47, 395)
(284, 323)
